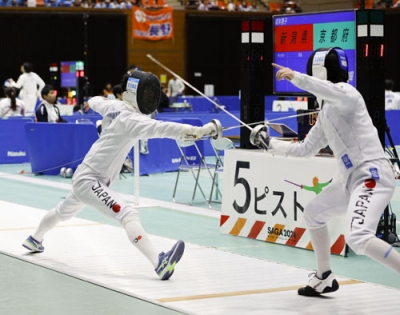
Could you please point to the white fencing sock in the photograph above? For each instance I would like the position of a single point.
(383, 253)
(140, 239)
(322, 248)
(48, 222)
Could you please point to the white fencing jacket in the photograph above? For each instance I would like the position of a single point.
(122, 126)
(343, 123)
(31, 85)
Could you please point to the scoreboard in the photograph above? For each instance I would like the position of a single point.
(296, 36)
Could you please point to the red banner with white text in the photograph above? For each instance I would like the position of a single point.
(152, 24)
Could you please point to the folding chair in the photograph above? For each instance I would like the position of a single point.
(191, 161)
(218, 145)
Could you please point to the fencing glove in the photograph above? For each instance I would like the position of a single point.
(208, 130)
(259, 137)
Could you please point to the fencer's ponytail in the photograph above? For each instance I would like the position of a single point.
(10, 92)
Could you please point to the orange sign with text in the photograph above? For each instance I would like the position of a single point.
(152, 24)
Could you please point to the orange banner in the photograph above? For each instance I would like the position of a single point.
(152, 24)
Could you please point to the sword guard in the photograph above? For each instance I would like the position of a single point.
(218, 128)
(259, 137)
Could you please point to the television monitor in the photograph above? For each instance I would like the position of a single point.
(69, 71)
(296, 36)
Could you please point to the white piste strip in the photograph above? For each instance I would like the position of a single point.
(145, 202)
(207, 281)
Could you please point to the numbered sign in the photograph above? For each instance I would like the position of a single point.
(264, 197)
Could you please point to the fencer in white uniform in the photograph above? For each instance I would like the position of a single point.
(30, 85)
(365, 182)
(124, 122)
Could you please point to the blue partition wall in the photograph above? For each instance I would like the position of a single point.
(53, 146)
(93, 117)
(163, 156)
(13, 145)
(231, 103)
(57, 144)
(393, 123)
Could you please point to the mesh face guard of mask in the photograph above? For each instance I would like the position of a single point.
(143, 90)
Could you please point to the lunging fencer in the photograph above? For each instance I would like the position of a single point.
(124, 122)
(365, 181)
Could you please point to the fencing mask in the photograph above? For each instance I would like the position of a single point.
(142, 89)
(328, 64)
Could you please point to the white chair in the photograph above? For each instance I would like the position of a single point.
(218, 145)
(187, 165)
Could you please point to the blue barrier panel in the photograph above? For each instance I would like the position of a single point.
(53, 146)
(392, 120)
(189, 151)
(92, 117)
(13, 148)
(163, 156)
(231, 103)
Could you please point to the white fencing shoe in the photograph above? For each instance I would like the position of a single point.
(317, 286)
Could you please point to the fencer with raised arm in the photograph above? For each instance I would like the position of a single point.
(124, 122)
(365, 182)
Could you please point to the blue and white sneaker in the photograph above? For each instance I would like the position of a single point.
(33, 245)
(167, 261)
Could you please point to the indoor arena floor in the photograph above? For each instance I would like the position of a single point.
(89, 266)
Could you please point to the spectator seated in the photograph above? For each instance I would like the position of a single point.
(52, 3)
(20, 3)
(65, 3)
(5, 3)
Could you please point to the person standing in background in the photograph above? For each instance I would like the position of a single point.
(30, 85)
(392, 100)
(10, 105)
(175, 88)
